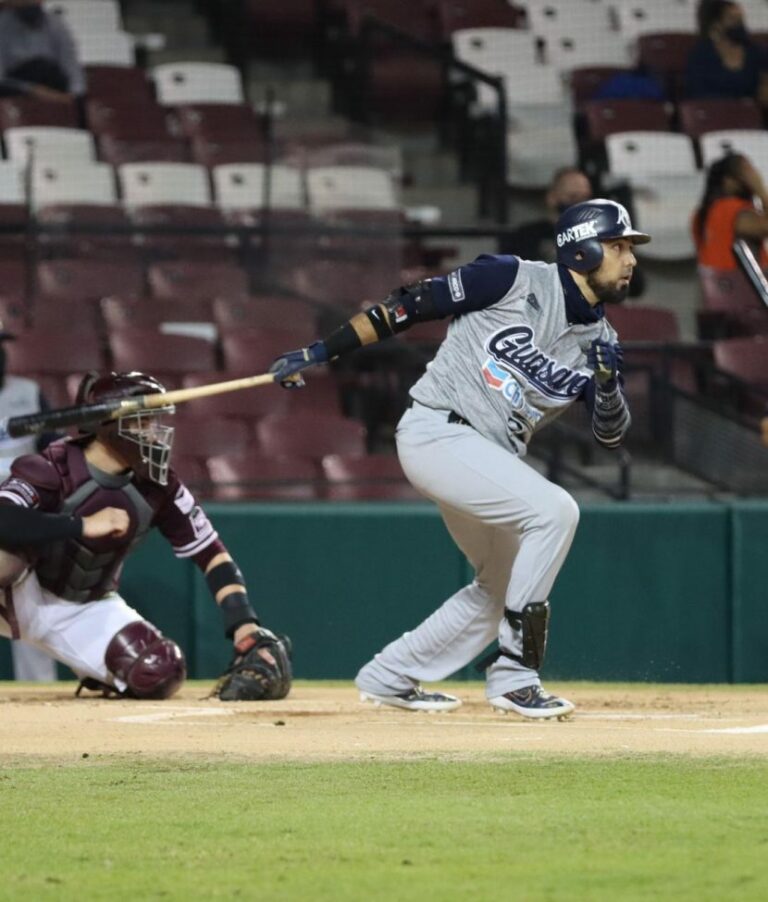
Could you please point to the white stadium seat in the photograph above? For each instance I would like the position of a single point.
(540, 139)
(62, 183)
(178, 83)
(98, 16)
(649, 153)
(663, 206)
(112, 48)
(49, 143)
(242, 186)
(11, 182)
(350, 188)
(636, 17)
(144, 184)
(753, 143)
(556, 17)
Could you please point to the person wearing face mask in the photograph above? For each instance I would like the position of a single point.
(728, 211)
(535, 240)
(37, 54)
(725, 62)
(20, 396)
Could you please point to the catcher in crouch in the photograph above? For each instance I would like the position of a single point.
(60, 580)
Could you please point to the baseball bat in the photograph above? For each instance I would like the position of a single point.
(84, 414)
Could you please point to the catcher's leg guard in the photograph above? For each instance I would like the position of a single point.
(150, 665)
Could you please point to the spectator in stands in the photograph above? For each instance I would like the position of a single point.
(726, 62)
(19, 397)
(727, 211)
(535, 240)
(37, 53)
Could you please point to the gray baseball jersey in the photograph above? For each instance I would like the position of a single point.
(518, 359)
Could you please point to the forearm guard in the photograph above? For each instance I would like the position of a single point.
(235, 607)
(610, 416)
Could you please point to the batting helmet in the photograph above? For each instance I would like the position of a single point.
(140, 437)
(583, 226)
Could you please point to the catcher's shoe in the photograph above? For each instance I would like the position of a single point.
(534, 702)
(415, 699)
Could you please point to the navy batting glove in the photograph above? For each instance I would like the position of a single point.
(606, 360)
(287, 368)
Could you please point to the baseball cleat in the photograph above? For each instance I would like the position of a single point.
(415, 699)
(533, 702)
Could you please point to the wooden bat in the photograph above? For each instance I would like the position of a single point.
(84, 414)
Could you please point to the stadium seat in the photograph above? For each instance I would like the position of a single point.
(584, 82)
(662, 207)
(285, 29)
(309, 435)
(744, 358)
(189, 279)
(93, 16)
(344, 284)
(569, 50)
(254, 186)
(237, 477)
(697, 117)
(70, 182)
(211, 152)
(97, 231)
(219, 121)
(127, 116)
(164, 183)
(11, 183)
(217, 246)
(13, 278)
(52, 144)
(91, 280)
(664, 55)
(350, 187)
(110, 48)
(14, 222)
(368, 478)
(606, 117)
(755, 14)
(730, 307)
(388, 158)
(54, 387)
(135, 313)
(111, 84)
(192, 83)
(14, 314)
(456, 15)
(263, 312)
(44, 351)
(119, 151)
(154, 352)
(642, 153)
(563, 16)
(252, 351)
(640, 17)
(51, 314)
(29, 111)
(753, 143)
(209, 436)
(193, 472)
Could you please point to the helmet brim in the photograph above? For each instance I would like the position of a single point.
(637, 237)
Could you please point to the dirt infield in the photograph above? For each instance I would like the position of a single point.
(319, 722)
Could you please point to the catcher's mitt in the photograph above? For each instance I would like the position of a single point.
(250, 678)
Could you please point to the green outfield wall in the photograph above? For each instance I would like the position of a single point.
(671, 593)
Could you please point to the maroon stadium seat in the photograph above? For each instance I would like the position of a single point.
(606, 117)
(263, 312)
(136, 313)
(15, 218)
(237, 477)
(193, 472)
(310, 435)
(13, 278)
(321, 394)
(744, 358)
(219, 122)
(284, 29)
(117, 83)
(212, 152)
(47, 351)
(366, 478)
(347, 284)
(126, 117)
(28, 111)
(731, 307)
(713, 114)
(209, 436)
(76, 280)
(98, 242)
(247, 405)
(215, 246)
(14, 314)
(156, 353)
(51, 313)
(251, 351)
(55, 388)
(664, 54)
(454, 15)
(187, 279)
(140, 150)
(586, 81)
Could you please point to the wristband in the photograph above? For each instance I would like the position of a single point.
(226, 573)
(235, 611)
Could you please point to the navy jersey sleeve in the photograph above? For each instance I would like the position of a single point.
(474, 286)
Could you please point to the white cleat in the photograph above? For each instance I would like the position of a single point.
(415, 699)
(534, 703)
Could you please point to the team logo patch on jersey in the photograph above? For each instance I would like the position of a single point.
(533, 301)
(513, 350)
(456, 286)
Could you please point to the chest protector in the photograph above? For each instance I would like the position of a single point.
(72, 569)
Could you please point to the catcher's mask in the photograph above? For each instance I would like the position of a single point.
(140, 438)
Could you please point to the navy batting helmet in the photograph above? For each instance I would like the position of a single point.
(582, 227)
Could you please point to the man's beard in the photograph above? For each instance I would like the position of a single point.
(607, 293)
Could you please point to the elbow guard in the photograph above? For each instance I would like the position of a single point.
(404, 307)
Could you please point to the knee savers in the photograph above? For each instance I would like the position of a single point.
(150, 665)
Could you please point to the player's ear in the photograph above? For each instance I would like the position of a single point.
(85, 386)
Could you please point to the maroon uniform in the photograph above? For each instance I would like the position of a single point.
(61, 480)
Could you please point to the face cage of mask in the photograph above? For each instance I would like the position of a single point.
(145, 429)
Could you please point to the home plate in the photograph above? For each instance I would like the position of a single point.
(171, 713)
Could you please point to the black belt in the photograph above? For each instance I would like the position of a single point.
(453, 417)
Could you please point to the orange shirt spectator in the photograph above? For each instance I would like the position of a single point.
(728, 212)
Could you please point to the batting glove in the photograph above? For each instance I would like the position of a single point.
(287, 368)
(606, 360)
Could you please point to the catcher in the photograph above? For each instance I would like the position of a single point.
(90, 500)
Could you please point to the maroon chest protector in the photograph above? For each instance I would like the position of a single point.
(88, 569)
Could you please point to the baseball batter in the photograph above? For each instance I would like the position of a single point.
(526, 341)
(96, 497)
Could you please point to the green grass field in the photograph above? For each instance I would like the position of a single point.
(521, 827)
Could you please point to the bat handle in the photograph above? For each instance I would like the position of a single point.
(51, 421)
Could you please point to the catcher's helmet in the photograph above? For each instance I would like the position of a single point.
(583, 226)
(140, 437)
